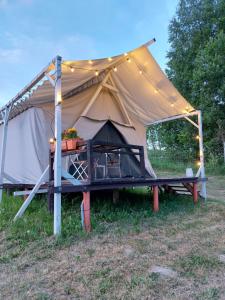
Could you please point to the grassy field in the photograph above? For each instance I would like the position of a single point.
(122, 256)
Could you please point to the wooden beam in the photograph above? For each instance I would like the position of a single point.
(195, 192)
(120, 102)
(32, 194)
(95, 96)
(201, 150)
(192, 122)
(194, 113)
(26, 192)
(3, 147)
(87, 213)
(155, 189)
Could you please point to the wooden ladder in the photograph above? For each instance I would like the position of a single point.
(179, 189)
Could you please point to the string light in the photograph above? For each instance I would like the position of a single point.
(72, 69)
(90, 62)
(172, 104)
(110, 59)
(198, 163)
(156, 91)
(59, 98)
(197, 137)
(140, 72)
(51, 140)
(128, 60)
(115, 69)
(125, 54)
(96, 73)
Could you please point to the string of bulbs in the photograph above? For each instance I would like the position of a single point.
(115, 69)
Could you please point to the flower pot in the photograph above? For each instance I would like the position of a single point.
(63, 146)
(71, 143)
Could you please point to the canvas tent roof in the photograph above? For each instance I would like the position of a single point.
(145, 91)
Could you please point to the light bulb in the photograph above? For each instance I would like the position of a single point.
(199, 163)
(197, 137)
(155, 91)
(72, 69)
(140, 72)
(172, 104)
(115, 69)
(51, 140)
(96, 73)
(109, 58)
(128, 60)
(90, 62)
(125, 54)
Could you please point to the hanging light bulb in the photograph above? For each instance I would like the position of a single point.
(156, 91)
(197, 137)
(59, 98)
(90, 62)
(72, 69)
(172, 104)
(125, 54)
(109, 58)
(198, 163)
(96, 73)
(115, 69)
(140, 72)
(51, 141)
(128, 59)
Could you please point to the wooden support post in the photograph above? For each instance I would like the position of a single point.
(32, 194)
(87, 212)
(155, 198)
(201, 149)
(50, 179)
(89, 160)
(5, 115)
(58, 158)
(195, 192)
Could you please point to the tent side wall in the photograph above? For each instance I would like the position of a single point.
(27, 146)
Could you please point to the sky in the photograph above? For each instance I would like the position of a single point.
(33, 32)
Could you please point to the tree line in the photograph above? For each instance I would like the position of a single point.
(196, 66)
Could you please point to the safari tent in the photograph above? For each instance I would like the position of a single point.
(110, 102)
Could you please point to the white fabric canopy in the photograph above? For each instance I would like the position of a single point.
(130, 90)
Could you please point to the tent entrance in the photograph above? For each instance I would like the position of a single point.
(111, 158)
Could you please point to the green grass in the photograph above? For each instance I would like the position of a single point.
(163, 161)
(181, 236)
(131, 212)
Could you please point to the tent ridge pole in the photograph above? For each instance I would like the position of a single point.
(58, 158)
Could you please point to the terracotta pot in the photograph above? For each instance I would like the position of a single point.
(67, 145)
(64, 145)
(72, 143)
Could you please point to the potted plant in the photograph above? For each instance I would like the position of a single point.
(69, 140)
(70, 137)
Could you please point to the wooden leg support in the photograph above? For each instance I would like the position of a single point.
(155, 198)
(195, 192)
(87, 212)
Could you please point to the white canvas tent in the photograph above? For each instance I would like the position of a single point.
(130, 90)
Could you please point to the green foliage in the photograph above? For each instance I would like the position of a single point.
(196, 67)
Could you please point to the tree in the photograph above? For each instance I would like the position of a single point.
(196, 67)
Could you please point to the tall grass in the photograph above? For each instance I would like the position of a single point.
(131, 212)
